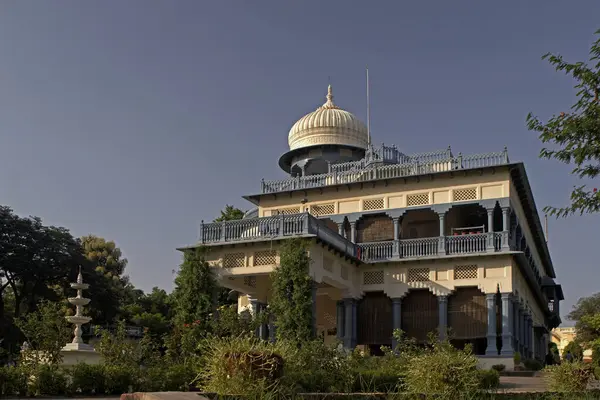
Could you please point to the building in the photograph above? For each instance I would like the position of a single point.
(563, 336)
(427, 242)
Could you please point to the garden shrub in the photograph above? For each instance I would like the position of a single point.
(533, 365)
(88, 379)
(442, 370)
(178, 378)
(499, 367)
(489, 379)
(517, 358)
(378, 374)
(568, 376)
(315, 367)
(13, 382)
(118, 379)
(240, 366)
(48, 380)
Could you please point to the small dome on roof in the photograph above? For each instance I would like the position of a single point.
(328, 125)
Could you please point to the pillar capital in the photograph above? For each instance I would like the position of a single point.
(442, 298)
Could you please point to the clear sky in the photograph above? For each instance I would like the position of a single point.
(135, 120)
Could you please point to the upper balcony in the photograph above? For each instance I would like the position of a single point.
(457, 241)
(387, 163)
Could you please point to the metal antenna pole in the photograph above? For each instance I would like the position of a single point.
(368, 110)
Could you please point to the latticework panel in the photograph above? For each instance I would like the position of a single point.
(322, 209)
(373, 278)
(417, 199)
(372, 204)
(265, 257)
(418, 275)
(467, 314)
(465, 272)
(327, 264)
(286, 211)
(465, 194)
(344, 272)
(234, 260)
(250, 281)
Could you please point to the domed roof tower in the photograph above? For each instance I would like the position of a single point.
(325, 136)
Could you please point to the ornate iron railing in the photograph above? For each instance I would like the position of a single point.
(276, 227)
(387, 164)
(431, 247)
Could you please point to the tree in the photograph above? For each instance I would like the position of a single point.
(46, 331)
(575, 349)
(230, 213)
(35, 261)
(575, 135)
(194, 291)
(586, 314)
(292, 302)
(104, 272)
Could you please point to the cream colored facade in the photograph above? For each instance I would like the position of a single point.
(454, 239)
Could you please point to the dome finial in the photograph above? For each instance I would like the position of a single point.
(329, 97)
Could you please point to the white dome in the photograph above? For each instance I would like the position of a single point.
(328, 124)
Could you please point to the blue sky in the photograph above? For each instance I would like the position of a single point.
(134, 120)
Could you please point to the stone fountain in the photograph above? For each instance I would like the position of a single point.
(78, 351)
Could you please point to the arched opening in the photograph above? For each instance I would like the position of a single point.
(347, 229)
(420, 314)
(467, 319)
(374, 327)
(423, 223)
(330, 224)
(466, 219)
(374, 228)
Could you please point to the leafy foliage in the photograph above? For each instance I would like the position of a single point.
(443, 370)
(586, 314)
(195, 288)
(230, 213)
(575, 349)
(46, 331)
(575, 135)
(568, 376)
(291, 301)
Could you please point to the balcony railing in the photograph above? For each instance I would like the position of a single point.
(401, 166)
(276, 227)
(431, 247)
(305, 225)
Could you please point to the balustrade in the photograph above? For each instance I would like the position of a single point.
(428, 247)
(395, 165)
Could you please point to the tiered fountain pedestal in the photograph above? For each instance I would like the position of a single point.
(77, 351)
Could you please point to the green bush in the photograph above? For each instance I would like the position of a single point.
(13, 382)
(517, 358)
(499, 367)
(489, 379)
(88, 379)
(597, 372)
(442, 370)
(533, 365)
(236, 366)
(315, 367)
(49, 380)
(568, 376)
(118, 379)
(178, 378)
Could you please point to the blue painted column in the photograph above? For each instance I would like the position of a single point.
(396, 250)
(442, 240)
(505, 227)
(507, 325)
(349, 338)
(532, 344)
(491, 349)
(521, 332)
(443, 316)
(490, 238)
(341, 229)
(340, 316)
(396, 318)
(353, 232)
(355, 323)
